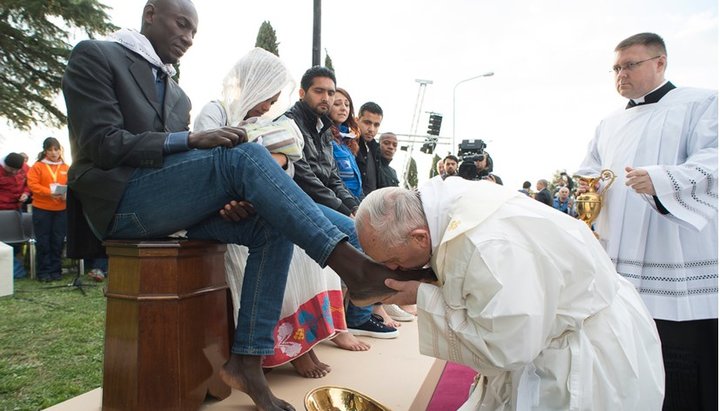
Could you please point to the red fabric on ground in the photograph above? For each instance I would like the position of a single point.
(453, 388)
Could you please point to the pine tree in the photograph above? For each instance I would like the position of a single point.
(328, 61)
(266, 38)
(34, 50)
(411, 180)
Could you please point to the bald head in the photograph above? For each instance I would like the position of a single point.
(170, 26)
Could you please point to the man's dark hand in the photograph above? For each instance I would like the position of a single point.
(219, 137)
(237, 210)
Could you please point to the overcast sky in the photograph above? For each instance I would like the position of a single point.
(551, 61)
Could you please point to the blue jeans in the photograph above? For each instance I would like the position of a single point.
(188, 192)
(50, 228)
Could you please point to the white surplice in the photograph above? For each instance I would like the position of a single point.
(530, 300)
(670, 259)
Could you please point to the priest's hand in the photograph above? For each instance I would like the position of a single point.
(639, 180)
(406, 292)
(237, 210)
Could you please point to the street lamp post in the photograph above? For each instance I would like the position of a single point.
(488, 74)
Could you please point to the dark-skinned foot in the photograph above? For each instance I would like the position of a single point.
(244, 373)
(307, 366)
(365, 279)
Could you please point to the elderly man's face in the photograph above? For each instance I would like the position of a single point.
(563, 194)
(413, 254)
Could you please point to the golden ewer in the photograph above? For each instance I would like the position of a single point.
(589, 203)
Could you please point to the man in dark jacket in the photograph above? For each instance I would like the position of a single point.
(316, 173)
(387, 177)
(543, 194)
(369, 120)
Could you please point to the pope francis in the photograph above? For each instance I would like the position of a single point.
(525, 295)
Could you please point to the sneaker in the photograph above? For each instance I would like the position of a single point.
(96, 274)
(397, 313)
(374, 327)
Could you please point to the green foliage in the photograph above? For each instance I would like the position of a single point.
(51, 343)
(411, 180)
(34, 48)
(328, 61)
(267, 39)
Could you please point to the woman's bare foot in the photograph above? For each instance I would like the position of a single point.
(379, 310)
(349, 342)
(317, 361)
(244, 373)
(308, 366)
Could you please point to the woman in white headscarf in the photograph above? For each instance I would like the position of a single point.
(313, 308)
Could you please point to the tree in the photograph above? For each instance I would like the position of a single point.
(266, 38)
(34, 49)
(328, 61)
(411, 179)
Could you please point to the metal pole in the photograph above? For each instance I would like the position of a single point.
(416, 118)
(317, 22)
(488, 74)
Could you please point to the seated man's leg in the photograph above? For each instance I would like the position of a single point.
(264, 281)
(195, 185)
(343, 223)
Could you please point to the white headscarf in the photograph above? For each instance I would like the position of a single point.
(137, 42)
(256, 77)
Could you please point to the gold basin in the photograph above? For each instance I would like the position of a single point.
(332, 398)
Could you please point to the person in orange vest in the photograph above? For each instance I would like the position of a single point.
(47, 180)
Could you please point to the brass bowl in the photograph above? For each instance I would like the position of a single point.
(332, 398)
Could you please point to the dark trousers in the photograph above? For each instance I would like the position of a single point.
(50, 228)
(690, 356)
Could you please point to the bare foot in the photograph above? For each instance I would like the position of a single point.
(379, 310)
(317, 361)
(306, 366)
(349, 342)
(244, 373)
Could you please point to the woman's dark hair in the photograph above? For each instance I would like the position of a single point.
(49, 143)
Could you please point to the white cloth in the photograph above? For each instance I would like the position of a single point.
(670, 259)
(255, 77)
(312, 308)
(135, 41)
(530, 300)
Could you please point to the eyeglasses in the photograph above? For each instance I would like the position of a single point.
(630, 66)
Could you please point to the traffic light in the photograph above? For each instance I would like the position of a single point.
(434, 124)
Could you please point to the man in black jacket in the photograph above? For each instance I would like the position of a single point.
(543, 194)
(369, 120)
(316, 173)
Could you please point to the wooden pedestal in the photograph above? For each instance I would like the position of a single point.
(166, 331)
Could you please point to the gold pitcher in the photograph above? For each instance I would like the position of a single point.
(589, 203)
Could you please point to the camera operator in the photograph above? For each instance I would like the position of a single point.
(485, 167)
(476, 162)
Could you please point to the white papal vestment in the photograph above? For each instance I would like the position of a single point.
(529, 298)
(670, 259)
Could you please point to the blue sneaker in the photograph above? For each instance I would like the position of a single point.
(374, 327)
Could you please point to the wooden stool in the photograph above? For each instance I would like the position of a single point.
(167, 332)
